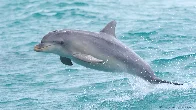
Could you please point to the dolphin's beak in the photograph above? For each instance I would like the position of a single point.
(42, 47)
(38, 48)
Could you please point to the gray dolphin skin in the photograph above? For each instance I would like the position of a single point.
(97, 50)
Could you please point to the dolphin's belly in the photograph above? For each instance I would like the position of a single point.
(110, 65)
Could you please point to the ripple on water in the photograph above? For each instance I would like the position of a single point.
(175, 59)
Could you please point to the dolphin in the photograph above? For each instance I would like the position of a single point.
(97, 50)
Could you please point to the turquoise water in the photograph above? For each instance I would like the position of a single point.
(163, 33)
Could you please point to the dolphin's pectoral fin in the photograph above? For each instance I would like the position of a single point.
(87, 58)
(110, 28)
(66, 61)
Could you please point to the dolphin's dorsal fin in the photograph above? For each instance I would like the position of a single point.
(110, 28)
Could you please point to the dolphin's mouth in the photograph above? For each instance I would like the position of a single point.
(37, 48)
(40, 47)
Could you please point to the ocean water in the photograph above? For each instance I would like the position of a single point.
(163, 33)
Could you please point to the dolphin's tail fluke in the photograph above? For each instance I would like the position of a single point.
(158, 81)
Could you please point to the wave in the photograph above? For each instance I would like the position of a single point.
(65, 13)
(142, 33)
(182, 57)
(110, 96)
(190, 65)
(63, 4)
(99, 85)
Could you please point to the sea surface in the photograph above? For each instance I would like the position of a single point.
(162, 32)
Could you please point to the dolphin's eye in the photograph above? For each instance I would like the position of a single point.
(61, 42)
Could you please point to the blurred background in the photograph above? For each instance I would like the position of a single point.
(161, 32)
